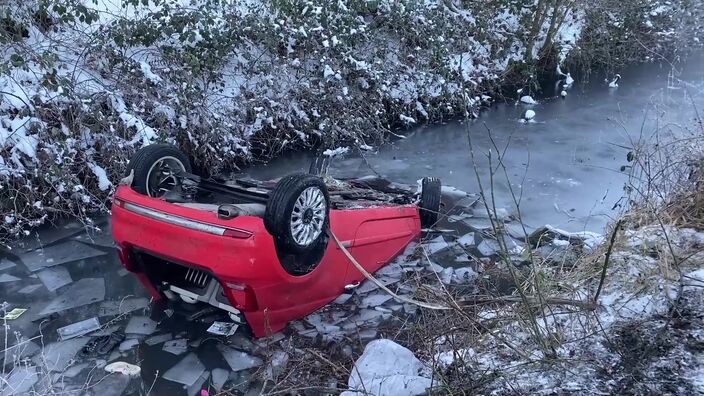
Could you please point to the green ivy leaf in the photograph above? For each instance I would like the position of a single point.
(16, 60)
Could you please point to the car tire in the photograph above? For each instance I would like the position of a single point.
(297, 214)
(430, 197)
(157, 158)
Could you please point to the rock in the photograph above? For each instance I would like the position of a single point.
(387, 368)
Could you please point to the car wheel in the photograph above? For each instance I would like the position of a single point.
(430, 195)
(297, 213)
(156, 169)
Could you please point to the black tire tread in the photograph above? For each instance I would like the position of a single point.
(146, 156)
(430, 199)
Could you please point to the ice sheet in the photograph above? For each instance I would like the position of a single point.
(239, 360)
(59, 254)
(55, 277)
(82, 292)
(187, 371)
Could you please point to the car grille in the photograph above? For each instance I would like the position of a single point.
(161, 271)
(197, 278)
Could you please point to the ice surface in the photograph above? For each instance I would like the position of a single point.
(195, 389)
(55, 277)
(158, 339)
(29, 289)
(466, 240)
(187, 371)
(5, 264)
(123, 306)
(19, 381)
(58, 355)
(239, 360)
(218, 378)
(279, 360)
(140, 325)
(6, 278)
(82, 292)
(58, 254)
(111, 385)
(176, 347)
(126, 345)
(75, 370)
(374, 300)
(446, 275)
(464, 274)
(488, 247)
(436, 245)
(389, 369)
(342, 298)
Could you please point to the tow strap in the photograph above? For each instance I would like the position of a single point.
(378, 282)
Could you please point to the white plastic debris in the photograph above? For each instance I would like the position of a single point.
(387, 368)
(124, 368)
(223, 328)
(78, 329)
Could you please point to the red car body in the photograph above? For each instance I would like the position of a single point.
(240, 254)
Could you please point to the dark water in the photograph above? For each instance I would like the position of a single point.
(565, 166)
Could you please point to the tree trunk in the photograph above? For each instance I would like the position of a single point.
(541, 10)
(549, 38)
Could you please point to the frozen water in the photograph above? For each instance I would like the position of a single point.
(218, 378)
(55, 277)
(465, 274)
(195, 389)
(176, 347)
(374, 300)
(367, 334)
(6, 278)
(187, 371)
(111, 385)
(19, 381)
(389, 369)
(436, 245)
(29, 289)
(6, 264)
(342, 298)
(123, 306)
(58, 355)
(278, 363)
(75, 370)
(446, 275)
(158, 339)
(58, 254)
(82, 292)
(466, 240)
(488, 247)
(140, 325)
(239, 360)
(22, 348)
(126, 345)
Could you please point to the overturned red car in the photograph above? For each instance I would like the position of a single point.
(259, 250)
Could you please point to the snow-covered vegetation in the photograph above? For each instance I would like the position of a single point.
(83, 84)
